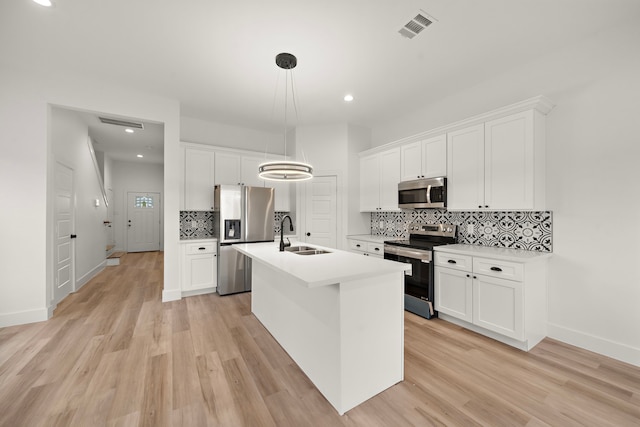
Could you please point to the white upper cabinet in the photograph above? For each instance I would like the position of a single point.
(209, 166)
(379, 178)
(228, 169)
(236, 169)
(498, 165)
(465, 179)
(249, 171)
(510, 159)
(199, 179)
(424, 159)
(282, 195)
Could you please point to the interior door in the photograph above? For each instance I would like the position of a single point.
(111, 234)
(143, 222)
(64, 227)
(321, 211)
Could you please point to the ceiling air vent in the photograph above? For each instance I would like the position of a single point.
(117, 122)
(416, 25)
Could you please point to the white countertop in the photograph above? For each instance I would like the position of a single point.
(371, 238)
(322, 269)
(506, 254)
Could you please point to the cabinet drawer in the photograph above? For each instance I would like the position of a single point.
(375, 248)
(200, 248)
(455, 261)
(500, 269)
(358, 245)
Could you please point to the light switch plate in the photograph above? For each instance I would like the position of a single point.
(194, 224)
(470, 228)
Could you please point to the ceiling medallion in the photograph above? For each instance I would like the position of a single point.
(286, 170)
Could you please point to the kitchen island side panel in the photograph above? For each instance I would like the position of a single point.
(347, 338)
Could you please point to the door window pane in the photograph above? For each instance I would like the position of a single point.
(144, 202)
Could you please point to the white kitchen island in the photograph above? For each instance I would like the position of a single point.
(339, 315)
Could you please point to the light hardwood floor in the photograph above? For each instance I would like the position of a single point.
(114, 355)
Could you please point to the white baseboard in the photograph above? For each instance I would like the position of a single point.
(90, 275)
(22, 317)
(199, 292)
(596, 344)
(171, 295)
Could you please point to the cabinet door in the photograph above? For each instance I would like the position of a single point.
(249, 171)
(411, 161)
(498, 306)
(282, 195)
(454, 293)
(434, 157)
(509, 162)
(200, 271)
(465, 168)
(227, 169)
(370, 183)
(199, 179)
(389, 179)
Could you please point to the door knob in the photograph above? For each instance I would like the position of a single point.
(308, 234)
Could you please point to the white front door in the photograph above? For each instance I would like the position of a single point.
(321, 211)
(143, 222)
(64, 227)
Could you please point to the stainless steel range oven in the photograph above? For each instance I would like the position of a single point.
(418, 251)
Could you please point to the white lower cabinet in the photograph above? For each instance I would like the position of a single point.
(367, 248)
(454, 293)
(505, 300)
(497, 306)
(199, 267)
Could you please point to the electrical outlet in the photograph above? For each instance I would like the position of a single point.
(470, 228)
(381, 224)
(194, 224)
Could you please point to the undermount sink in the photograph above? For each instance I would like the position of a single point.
(305, 250)
(298, 248)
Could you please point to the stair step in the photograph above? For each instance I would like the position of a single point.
(114, 258)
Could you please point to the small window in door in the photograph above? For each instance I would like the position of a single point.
(144, 202)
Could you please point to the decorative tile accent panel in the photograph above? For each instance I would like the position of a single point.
(199, 224)
(518, 230)
(196, 224)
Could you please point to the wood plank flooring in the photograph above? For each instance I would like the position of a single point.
(114, 355)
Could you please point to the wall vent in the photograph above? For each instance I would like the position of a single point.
(416, 25)
(125, 123)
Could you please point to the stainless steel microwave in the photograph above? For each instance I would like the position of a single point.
(423, 193)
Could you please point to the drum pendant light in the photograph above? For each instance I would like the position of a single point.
(286, 170)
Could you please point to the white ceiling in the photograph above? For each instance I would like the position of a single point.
(123, 146)
(217, 57)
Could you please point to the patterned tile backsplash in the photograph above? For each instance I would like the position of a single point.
(519, 230)
(199, 224)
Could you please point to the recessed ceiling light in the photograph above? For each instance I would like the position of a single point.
(46, 3)
(127, 130)
(348, 98)
(140, 156)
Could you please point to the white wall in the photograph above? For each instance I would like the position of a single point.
(136, 177)
(25, 178)
(219, 134)
(331, 149)
(69, 139)
(592, 174)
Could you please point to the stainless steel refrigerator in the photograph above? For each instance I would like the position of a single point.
(241, 215)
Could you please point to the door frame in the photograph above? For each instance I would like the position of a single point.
(53, 302)
(126, 216)
(301, 204)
